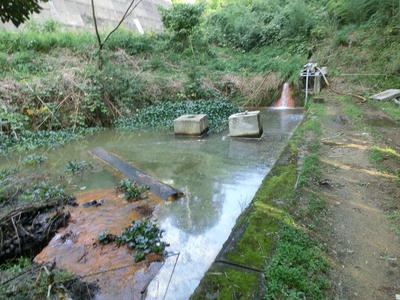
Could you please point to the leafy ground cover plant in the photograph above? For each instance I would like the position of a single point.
(142, 236)
(162, 115)
(29, 140)
(76, 167)
(131, 189)
(297, 267)
(33, 159)
(43, 191)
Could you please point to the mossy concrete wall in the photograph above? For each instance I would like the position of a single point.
(78, 13)
(238, 270)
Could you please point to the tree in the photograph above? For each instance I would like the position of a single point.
(18, 11)
(101, 42)
(182, 19)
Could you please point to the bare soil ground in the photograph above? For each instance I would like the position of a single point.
(364, 246)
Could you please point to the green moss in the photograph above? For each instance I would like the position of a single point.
(256, 241)
(260, 225)
(275, 186)
(227, 284)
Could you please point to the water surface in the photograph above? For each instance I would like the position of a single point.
(218, 174)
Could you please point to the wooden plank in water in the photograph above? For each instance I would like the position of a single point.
(161, 190)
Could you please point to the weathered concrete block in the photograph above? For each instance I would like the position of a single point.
(246, 124)
(191, 124)
(387, 95)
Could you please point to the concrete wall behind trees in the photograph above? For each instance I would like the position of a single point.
(78, 13)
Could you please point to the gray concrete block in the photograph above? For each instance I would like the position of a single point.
(191, 124)
(246, 124)
(387, 95)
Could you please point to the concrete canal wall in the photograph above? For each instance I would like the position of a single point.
(78, 14)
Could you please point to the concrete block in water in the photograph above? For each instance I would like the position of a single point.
(191, 124)
(387, 95)
(246, 124)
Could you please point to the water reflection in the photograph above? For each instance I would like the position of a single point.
(220, 176)
(220, 189)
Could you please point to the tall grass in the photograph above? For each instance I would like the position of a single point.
(359, 11)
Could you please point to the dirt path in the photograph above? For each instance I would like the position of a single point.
(364, 246)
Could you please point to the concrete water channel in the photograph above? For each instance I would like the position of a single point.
(218, 174)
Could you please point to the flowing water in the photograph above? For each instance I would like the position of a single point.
(218, 174)
(286, 100)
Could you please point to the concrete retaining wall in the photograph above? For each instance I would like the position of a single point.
(78, 14)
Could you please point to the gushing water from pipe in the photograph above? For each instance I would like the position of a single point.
(286, 100)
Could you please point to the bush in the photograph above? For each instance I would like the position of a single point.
(359, 11)
(246, 26)
(182, 19)
(12, 122)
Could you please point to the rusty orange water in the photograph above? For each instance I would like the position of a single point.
(286, 100)
(75, 247)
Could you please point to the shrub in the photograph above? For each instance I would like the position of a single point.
(182, 19)
(358, 11)
(11, 121)
(248, 25)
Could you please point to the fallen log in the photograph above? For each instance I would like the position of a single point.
(158, 188)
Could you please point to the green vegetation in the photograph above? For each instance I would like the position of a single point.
(22, 279)
(143, 237)
(257, 239)
(212, 57)
(392, 109)
(29, 140)
(43, 191)
(18, 12)
(163, 115)
(310, 170)
(229, 284)
(76, 167)
(131, 190)
(33, 159)
(35, 284)
(352, 110)
(275, 233)
(298, 268)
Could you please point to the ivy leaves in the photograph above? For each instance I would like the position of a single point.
(142, 236)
